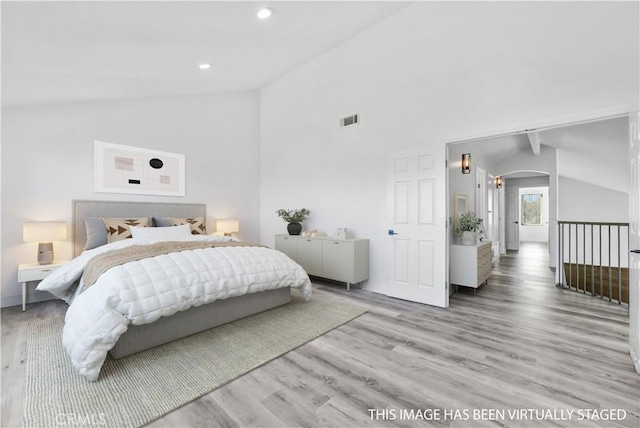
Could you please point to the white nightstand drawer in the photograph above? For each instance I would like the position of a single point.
(35, 272)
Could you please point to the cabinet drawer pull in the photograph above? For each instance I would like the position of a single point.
(336, 242)
(46, 270)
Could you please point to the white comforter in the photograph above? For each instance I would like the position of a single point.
(141, 292)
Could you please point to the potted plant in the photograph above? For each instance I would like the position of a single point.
(467, 225)
(294, 218)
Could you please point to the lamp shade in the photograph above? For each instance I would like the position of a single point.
(44, 231)
(228, 225)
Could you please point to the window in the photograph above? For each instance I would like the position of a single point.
(531, 209)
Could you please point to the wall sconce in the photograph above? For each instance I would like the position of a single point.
(44, 232)
(499, 182)
(466, 163)
(227, 226)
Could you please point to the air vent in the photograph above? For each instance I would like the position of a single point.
(349, 120)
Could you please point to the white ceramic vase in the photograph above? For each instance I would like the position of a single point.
(469, 238)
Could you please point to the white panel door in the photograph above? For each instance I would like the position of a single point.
(417, 237)
(513, 215)
(634, 239)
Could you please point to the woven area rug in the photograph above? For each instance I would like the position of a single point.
(138, 389)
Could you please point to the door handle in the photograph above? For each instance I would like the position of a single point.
(635, 251)
(515, 222)
(391, 232)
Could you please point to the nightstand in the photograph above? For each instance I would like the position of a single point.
(35, 272)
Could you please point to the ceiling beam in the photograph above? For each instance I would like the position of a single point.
(534, 140)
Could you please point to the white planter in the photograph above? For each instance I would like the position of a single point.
(469, 238)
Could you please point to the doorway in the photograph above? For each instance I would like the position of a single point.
(586, 168)
(534, 215)
(527, 206)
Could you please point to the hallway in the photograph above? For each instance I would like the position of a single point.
(530, 263)
(524, 279)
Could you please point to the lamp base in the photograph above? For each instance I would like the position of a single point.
(45, 253)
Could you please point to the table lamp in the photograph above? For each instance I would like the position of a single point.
(44, 232)
(227, 226)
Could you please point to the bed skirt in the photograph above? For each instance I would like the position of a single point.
(197, 319)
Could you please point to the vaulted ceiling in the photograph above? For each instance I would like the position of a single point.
(604, 140)
(70, 51)
(79, 51)
(587, 137)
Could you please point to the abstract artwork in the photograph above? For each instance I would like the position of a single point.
(127, 169)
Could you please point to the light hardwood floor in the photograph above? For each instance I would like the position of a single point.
(521, 343)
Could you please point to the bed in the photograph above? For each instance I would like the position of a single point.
(203, 312)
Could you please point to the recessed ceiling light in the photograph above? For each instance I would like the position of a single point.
(204, 66)
(264, 13)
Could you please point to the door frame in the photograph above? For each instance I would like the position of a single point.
(634, 259)
(544, 209)
(617, 112)
(482, 208)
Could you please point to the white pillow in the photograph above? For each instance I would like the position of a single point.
(164, 233)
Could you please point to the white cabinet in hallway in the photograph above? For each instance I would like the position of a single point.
(470, 265)
(344, 260)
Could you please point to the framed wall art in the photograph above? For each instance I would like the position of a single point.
(127, 169)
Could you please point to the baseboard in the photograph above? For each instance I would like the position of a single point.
(33, 297)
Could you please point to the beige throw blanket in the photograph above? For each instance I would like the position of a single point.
(105, 261)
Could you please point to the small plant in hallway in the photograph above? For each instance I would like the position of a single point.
(468, 222)
(468, 225)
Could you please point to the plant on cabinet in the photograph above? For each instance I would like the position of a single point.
(294, 218)
(467, 226)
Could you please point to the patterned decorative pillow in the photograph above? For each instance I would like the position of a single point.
(118, 228)
(197, 224)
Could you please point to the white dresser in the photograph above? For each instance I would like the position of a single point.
(470, 265)
(344, 260)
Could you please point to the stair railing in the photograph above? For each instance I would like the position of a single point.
(593, 258)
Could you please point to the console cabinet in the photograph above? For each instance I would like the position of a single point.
(470, 265)
(337, 259)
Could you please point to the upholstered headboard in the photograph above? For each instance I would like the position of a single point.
(83, 209)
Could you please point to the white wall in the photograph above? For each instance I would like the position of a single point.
(47, 161)
(430, 74)
(601, 175)
(580, 201)
(465, 183)
(598, 172)
(595, 153)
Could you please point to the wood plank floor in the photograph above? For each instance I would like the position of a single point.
(519, 344)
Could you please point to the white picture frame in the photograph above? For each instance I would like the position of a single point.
(459, 206)
(135, 170)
